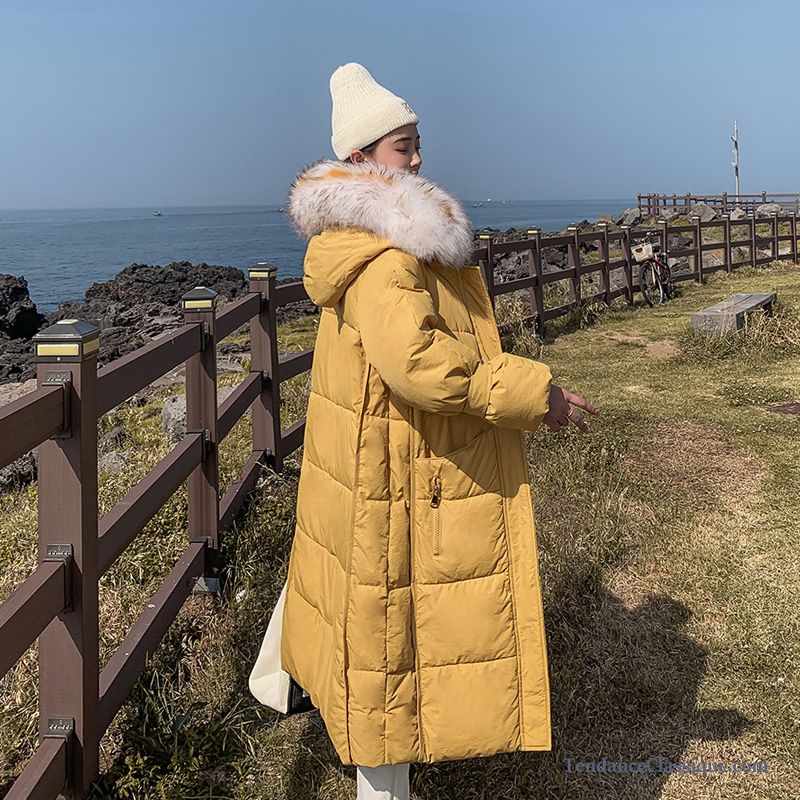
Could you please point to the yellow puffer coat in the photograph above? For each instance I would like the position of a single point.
(413, 612)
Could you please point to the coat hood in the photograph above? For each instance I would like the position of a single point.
(350, 213)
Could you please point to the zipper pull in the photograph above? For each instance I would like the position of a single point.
(437, 492)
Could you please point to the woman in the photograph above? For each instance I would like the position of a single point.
(413, 611)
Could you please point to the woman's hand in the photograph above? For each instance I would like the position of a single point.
(561, 413)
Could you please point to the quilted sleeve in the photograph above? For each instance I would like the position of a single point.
(426, 366)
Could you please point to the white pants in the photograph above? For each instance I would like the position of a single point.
(388, 782)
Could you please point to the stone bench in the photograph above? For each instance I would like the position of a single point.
(728, 315)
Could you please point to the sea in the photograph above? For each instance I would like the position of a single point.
(62, 252)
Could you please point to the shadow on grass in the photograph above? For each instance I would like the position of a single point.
(624, 687)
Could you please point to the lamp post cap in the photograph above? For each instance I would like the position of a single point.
(201, 298)
(68, 329)
(68, 340)
(261, 269)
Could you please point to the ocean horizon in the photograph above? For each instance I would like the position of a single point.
(61, 252)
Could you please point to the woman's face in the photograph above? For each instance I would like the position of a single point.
(399, 149)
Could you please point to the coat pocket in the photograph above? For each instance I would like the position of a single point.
(458, 513)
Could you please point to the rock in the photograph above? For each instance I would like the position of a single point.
(19, 318)
(112, 440)
(738, 213)
(142, 302)
(712, 261)
(704, 211)
(228, 365)
(768, 209)
(20, 472)
(668, 214)
(12, 391)
(173, 413)
(16, 360)
(113, 462)
(554, 259)
(629, 217)
(173, 417)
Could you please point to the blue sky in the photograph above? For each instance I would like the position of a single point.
(199, 102)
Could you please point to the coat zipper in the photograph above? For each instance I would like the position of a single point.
(436, 498)
(417, 671)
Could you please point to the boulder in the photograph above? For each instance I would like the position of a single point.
(629, 217)
(136, 306)
(704, 211)
(113, 462)
(768, 209)
(173, 417)
(19, 318)
(173, 413)
(16, 360)
(20, 472)
(738, 213)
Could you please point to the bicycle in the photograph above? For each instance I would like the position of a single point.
(655, 276)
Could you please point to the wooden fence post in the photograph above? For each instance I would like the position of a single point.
(698, 248)
(628, 268)
(793, 229)
(69, 669)
(199, 305)
(726, 239)
(535, 270)
(604, 249)
(574, 263)
(662, 223)
(724, 201)
(264, 350)
(776, 245)
(487, 241)
(753, 254)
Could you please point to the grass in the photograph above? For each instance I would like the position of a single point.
(669, 546)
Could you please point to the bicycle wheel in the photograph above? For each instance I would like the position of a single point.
(668, 282)
(649, 284)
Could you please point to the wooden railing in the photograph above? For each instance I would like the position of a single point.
(731, 236)
(58, 603)
(653, 204)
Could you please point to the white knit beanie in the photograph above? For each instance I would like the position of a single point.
(363, 110)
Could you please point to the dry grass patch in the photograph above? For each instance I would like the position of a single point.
(701, 463)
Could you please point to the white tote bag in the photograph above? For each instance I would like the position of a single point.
(269, 683)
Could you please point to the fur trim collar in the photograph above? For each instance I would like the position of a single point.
(412, 212)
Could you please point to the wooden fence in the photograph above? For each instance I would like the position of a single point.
(58, 603)
(653, 204)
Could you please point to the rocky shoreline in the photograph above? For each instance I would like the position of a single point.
(143, 300)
